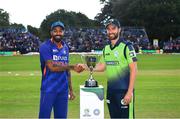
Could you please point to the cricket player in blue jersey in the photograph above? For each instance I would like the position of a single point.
(56, 80)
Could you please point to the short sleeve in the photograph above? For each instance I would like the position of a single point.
(130, 54)
(45, 53)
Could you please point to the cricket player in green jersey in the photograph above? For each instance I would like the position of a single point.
(120, 62)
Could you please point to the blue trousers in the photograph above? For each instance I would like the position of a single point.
(56, 101)
(116, 108)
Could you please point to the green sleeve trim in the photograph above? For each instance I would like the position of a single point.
(131, 109)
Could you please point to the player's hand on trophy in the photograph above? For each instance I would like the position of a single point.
(78, 68)
(84, 66)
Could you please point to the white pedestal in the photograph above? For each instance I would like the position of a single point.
(91, 102)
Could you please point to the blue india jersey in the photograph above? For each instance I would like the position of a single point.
(54, 81)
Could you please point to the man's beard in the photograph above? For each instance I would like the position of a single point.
(57, 38)
(113, 36)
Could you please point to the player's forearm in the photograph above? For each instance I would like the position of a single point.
(69, 81)
(133, 72)
(131, 83)
(100, 67)
(70, 87)
(57, 67)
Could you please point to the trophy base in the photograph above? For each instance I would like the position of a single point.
(91, 83)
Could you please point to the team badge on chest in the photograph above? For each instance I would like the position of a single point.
(116, 54)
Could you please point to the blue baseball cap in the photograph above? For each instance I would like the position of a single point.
(58, 23)
(114, 22)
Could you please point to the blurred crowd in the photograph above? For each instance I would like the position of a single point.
(82, 40)
(18, 40)
(85, 40)
(172, 45)
(137, 36)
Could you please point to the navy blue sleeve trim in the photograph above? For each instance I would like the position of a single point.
(130, 47)
(104, 52)
(127, 45)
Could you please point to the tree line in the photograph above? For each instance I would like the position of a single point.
(69, 18)
(161, 18)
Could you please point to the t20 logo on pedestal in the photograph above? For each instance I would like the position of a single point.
(86, 113)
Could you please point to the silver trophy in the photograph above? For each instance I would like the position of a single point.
(90, 60)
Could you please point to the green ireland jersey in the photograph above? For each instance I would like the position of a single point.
(117, 60)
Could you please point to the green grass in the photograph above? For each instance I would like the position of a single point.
(157, 87)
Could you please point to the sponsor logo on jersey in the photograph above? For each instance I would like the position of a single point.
(116, 54)
(64, 51)
(112, 62)
(132, 54)
(107, 54)
(55, 50)
(124, 107)
(61, 58)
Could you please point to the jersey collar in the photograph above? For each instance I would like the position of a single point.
(53, 44)
(117, 43)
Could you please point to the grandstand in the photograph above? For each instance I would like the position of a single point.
(82, 40)
(18, 40)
